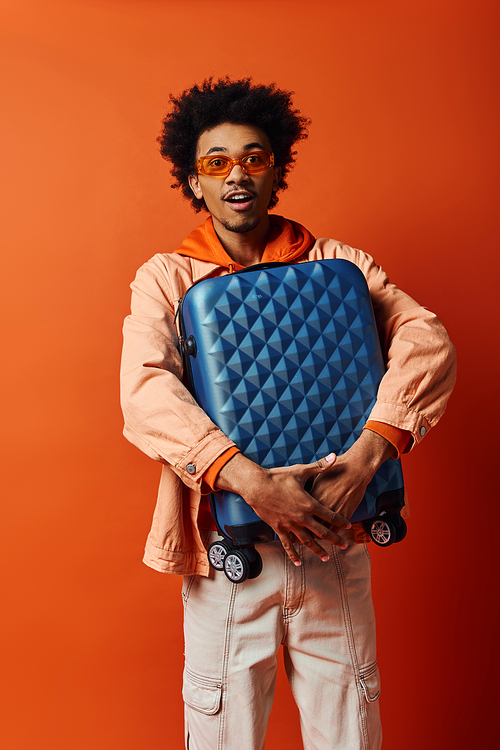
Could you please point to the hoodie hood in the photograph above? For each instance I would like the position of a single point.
(287, 242)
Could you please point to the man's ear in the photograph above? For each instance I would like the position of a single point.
(277, 178)
(194, 184)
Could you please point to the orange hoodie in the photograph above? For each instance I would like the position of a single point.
(287, 241)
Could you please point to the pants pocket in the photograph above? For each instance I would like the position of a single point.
(369, 679)
(204, 694)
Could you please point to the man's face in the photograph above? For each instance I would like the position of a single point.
(221, 193)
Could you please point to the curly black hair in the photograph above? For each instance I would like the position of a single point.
(204, 107)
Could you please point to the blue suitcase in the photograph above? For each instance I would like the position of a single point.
(286, 360)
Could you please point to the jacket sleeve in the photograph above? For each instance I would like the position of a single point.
(421, 362)
(161, 416)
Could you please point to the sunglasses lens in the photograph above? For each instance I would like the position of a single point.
(220, 166)
(216, 165)
(256, 162)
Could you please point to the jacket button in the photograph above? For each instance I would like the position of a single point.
(422, 431)
(191, 469)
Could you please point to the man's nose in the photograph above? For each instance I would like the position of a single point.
(237, 174)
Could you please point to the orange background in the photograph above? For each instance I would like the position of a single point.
(402, 161)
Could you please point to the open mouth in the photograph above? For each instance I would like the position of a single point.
(240, 200)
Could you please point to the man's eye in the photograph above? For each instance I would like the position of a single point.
(217, 162)
(253, 159)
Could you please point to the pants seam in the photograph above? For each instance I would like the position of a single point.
(290, 612)
(352, 647)
(367, 551)
(287, 582)
(285, 632)
(225, 662)
(291, 682)
(185, 596)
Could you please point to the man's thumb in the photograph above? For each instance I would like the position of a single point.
(326, 462)
(310, 471)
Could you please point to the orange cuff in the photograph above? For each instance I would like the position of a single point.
(397, 437)
(210, 474)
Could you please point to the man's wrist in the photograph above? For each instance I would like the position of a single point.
(240, 475)
(374, 449)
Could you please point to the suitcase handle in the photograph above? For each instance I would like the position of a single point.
(262, 266)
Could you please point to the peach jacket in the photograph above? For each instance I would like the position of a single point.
(165, 422)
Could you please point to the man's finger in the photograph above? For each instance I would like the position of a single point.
(289, 548)
(331, 518)
(302, 536)
(326, 534)
(307, 539)
(309, 471)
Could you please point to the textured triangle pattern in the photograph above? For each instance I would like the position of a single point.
(292, 358)
(288, 359)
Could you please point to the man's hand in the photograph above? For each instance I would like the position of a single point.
(341, 487)
(279, 498)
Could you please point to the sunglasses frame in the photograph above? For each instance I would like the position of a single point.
(200, 169)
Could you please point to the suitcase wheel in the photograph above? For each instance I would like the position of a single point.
(217, 552)
(382, 531)
(236, 566)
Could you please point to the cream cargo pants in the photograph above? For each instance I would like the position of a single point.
(321, 613)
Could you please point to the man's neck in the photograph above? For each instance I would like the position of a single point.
(245, 248)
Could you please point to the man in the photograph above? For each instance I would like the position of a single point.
(230, 143)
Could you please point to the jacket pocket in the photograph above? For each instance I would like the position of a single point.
(369, 679)
(204, 694)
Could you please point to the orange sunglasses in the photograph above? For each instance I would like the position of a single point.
(216, 165)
